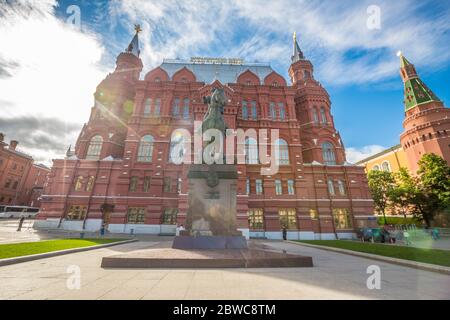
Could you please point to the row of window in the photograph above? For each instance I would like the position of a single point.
(152, 108)
(288, 217)
(290, 187)
(168, 185)
(323, 116)
(10, 184)
(6, 199)
(277, 111)
(87, 184)
(145, 151)
(385, 166)
(259, 187)
(14, 166)
(424, 138)
(134, 215)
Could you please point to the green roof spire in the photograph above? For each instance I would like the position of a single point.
(416, 91)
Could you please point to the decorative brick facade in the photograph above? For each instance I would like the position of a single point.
(21, 181)
(129, 192)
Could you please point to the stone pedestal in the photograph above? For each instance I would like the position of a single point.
(211, 218)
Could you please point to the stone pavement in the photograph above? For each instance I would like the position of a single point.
(335, 276)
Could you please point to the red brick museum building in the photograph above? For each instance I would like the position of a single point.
(21, 180)
(120, 173)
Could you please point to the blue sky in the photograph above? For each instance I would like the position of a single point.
(357, 65)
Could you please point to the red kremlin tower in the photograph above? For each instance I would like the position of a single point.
(121, 174)
(427, 120)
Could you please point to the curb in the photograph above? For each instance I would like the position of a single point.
(11, 261)
(401, 262)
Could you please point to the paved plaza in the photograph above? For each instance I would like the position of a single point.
(335, 276)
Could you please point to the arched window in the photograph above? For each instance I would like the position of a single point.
(251, 151)
(95, 148)
(79, 181)
(329, 158)
(385, 166)
(376, 168)
(341, 187)
(306, 74)
(145, 153)
(148, 107)
(186, 108)
(323, 115)
(331, 187)
(282, 110)
(315, 115)
(272, 111)
(157, 111)
(282, 152)
(176, 107)
(244, 110)
(254, 111)
(90, 184)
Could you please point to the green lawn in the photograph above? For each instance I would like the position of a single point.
(433, 256)
(29, 248)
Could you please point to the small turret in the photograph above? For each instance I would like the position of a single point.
(129, 65)
(301, 69)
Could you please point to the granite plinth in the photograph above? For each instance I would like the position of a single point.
(199, 259)
(209, 242)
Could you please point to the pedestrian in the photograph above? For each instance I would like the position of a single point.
(284, 233)
(406, 237)
(22, 219)
(435, 234)
(102, 230)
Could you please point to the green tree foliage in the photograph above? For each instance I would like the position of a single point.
(404, 189)
(425, 195)
(381, 185)
(433, 184)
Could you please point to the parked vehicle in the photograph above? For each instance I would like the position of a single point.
(10, 212)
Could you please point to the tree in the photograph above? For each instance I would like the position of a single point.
(381, 185)
(432, 194)
(404, 190)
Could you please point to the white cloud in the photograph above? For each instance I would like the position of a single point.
(53, 68)
(331, 32)
(357, 154)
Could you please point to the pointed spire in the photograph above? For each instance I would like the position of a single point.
(133, 47)
(416, 91)
(297, 54)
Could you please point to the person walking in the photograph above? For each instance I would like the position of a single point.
(22, 219)
(284, 233)
(406, 237)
